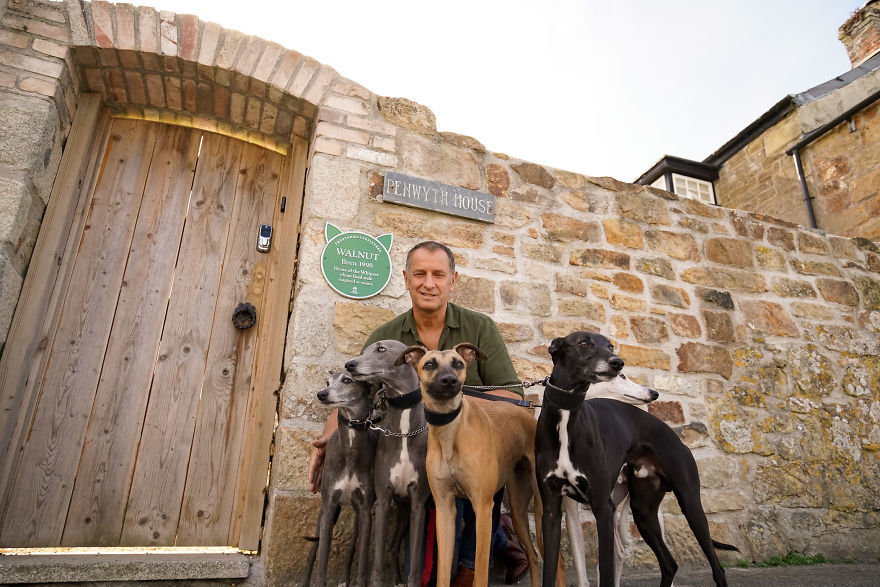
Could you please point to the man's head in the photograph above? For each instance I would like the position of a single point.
(430, 275)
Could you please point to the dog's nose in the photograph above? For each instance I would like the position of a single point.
(349, 366)
(322, 395)
(616, 363)
(654, 395)
(448, 380)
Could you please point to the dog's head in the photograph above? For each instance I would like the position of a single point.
(584, 357)
(343, 391)
(441, 373)
(378, 361)
(622, 389)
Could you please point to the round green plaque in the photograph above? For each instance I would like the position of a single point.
(356, 264)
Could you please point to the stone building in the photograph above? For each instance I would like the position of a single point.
(140, 151)
(812, 159)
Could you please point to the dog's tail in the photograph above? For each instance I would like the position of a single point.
(315, 539)
(723, 546)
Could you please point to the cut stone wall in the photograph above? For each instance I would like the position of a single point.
(841, 167)
(762, 336)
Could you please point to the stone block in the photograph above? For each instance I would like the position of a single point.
(794, 288)
(721, 299)
(10, 287)
(812, 311)
(498, 180)
(353, 322)
(669, 412)
(293, 448)
(528, 370)
(542, 252)
(628, 282)
(694, 357)
(567, 284)
(422, 226)
(621, 302)
(635, 356)
(815, 267)
(719, 326)
(870, 292)
(515, 332)
(670, 296)
(30, 139)
(619, 327)
(729, 251)
(700, 209)
(642, 208)
(659, 267)
(693, 225)
(329, 179)
(781, 238)
(648, 330)
(677, 245)
(586, 201)
(532, 195)
(310, 328)
(475, 293)
(839, 292)
(563, 327)
(439, 161)
(624, 233)
(685, 325)
(811, 243)
(570, 180)
(529, 298)
(535, 175)
(564, 228)
(768, 258)
(769, 318)
(726, 278)
(409, 115)
(510, 215)
(581, 307)
(599, 258)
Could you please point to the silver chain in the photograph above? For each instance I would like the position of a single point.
(524, 385)
(387, 432)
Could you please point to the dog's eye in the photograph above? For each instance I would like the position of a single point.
(457, 364)
(346, 380)
(429, 364)
(380, 349)
(585, 342)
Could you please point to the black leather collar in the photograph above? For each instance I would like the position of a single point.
(441, 418)
(407, 400)
(562, 399)
(355, 424)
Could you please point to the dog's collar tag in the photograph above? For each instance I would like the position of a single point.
(407, 400)
(564, 400)
(356, 424)
(441, 418)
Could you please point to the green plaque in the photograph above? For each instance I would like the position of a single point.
(356, 264)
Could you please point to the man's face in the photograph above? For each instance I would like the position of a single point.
(429, 281)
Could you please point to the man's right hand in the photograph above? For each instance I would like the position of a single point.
(316, 463)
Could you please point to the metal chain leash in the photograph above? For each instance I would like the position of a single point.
(524, 385)
(387, 432)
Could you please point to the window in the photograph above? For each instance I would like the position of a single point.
(696, 189)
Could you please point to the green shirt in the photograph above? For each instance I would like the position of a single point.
(462, 325)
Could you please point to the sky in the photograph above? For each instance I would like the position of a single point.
(600, 88)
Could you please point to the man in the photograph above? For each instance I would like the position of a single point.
(437, 324)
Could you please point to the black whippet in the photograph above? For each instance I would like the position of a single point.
(581, 447)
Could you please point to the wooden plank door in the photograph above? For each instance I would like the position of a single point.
(149, 426)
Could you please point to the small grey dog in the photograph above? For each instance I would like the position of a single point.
(399, 472)
(348, 475)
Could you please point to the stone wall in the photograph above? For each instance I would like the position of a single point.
(841, 167)
(762, 336)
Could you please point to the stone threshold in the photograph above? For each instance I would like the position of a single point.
(123, 565)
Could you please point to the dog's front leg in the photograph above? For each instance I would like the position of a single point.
(363, 537)
(551, 526)
(604, 513)
(483, 534)
(416, 535)
(445, 503)
(382, 503)
(325, 537)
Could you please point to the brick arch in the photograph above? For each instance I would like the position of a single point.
(177, 69)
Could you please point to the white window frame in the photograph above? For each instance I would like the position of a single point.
(691, 187)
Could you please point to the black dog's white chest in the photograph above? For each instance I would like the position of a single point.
(571, 480)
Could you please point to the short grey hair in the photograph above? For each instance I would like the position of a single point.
(432, 246)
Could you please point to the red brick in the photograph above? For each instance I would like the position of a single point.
(221, 102)
(117, 85)
(189, 95)
(125, 36)
(283, 76)
(136, 91)
(155, 90)
(102, 20)
(167, 33)
(208, 46)
(37, 86)
(268, 60)
(189, 37)
(172, 93)
(15, 39)
(249, 57)
(148, 33)
(252, 114)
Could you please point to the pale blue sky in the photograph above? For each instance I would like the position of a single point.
(601, 88)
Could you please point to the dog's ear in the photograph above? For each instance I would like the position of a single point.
(555, 346)
(470, 352)
(411, 355)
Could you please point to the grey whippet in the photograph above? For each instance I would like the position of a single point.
(347, 477)
(399, 472)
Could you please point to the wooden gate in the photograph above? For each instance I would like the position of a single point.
(152, 413)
